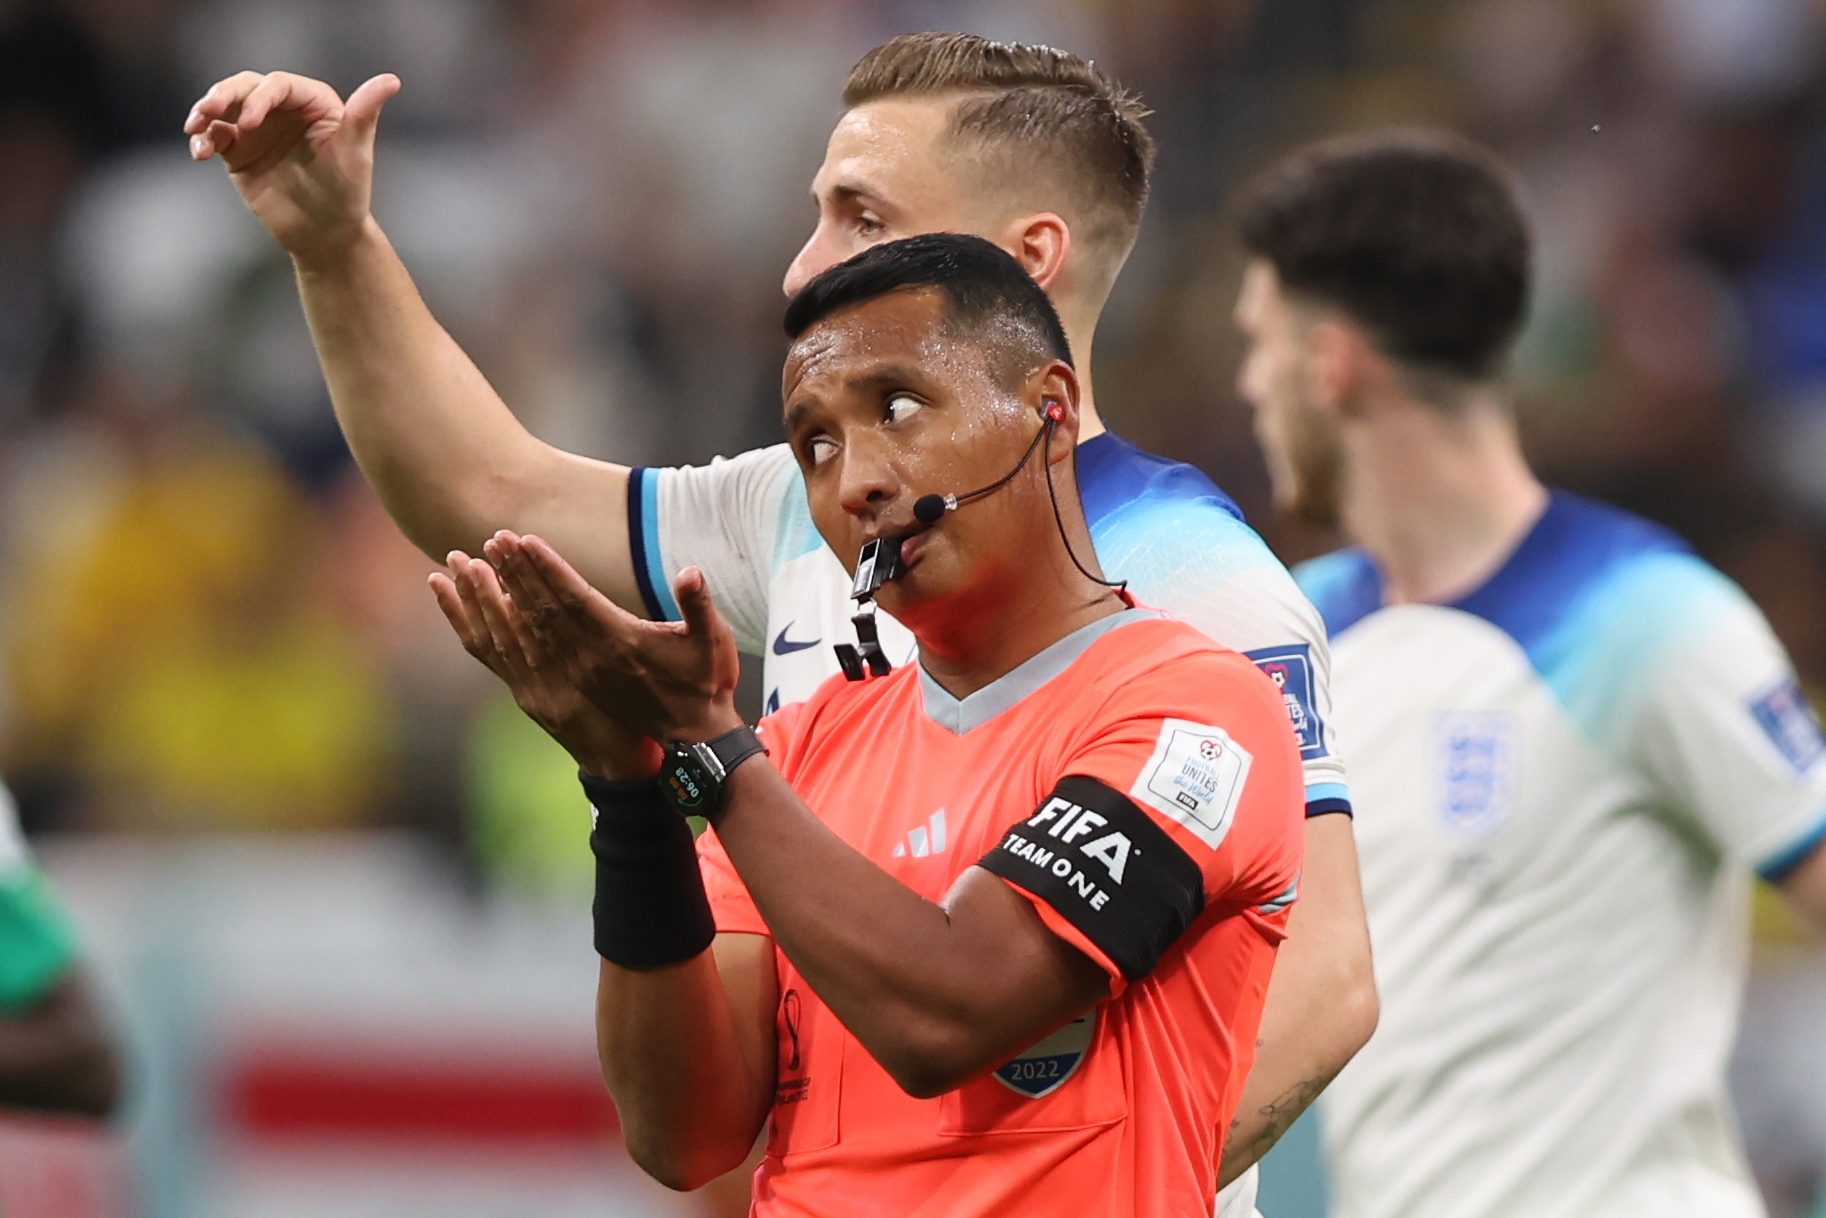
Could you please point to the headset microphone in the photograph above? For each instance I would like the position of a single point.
(928, 508)
(879, 560)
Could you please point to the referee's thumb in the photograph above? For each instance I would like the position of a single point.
(692, 592)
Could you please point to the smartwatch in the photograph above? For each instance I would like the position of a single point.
(692, 775)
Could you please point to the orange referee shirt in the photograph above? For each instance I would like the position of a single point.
(1142, 787)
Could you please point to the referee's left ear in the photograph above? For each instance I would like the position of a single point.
(1054, 392)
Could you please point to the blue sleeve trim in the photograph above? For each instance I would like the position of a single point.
(1324, 798)
(1782, 865)
(643, 545)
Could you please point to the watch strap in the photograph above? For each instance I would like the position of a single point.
(734, 747)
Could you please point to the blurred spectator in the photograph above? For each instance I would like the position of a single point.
(177, 661)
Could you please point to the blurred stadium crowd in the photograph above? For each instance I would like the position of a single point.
(209, 623)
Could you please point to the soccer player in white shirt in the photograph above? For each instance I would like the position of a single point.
(1571, 741)
(1033, 149)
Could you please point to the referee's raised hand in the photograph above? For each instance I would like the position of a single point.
(492, 631)
(302, 157)
(667, 680)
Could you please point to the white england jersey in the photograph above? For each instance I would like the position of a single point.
(1562, 784)
(1162, 525)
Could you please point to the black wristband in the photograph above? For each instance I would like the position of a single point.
(650, 907)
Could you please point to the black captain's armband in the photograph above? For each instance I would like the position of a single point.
(1107, 868)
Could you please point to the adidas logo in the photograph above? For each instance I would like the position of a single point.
(925, 839)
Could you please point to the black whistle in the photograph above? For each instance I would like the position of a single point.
(878, 563)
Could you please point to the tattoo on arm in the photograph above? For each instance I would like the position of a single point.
(1270, 1121)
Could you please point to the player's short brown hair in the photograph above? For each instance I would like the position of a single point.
(1036, 112)
(1416, 235)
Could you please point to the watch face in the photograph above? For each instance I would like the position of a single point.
(688, 785)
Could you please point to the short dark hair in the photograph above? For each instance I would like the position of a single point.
(1039, 112)
(1415, 235)
(988, 298)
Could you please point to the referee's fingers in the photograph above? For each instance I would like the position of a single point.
(533, 649)
(495, 610)
(567, 586)
(452, 604)
(692, 591)
(540, 606)
(458, 603)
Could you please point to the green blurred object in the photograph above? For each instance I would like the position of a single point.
(1293, 1174)
(529, 822)
(37, 944)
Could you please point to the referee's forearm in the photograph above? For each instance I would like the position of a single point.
(936, 994)
(690, 1094)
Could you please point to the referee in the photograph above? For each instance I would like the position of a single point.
(988, 934)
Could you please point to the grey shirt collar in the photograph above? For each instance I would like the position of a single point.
(959, 715)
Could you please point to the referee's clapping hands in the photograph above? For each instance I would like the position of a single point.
(604, 683)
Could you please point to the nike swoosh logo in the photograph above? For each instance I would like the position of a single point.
(784, 646)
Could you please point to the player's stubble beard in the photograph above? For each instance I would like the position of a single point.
(1306, 459)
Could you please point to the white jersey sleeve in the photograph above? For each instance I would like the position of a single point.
(1729, 736)
(1213, 572)
(1237, 1199)
(725, 518)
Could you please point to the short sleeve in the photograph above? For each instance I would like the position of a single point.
(37, 945)
(1730, 737)
(1214, 573)
(1185, 796)
(724, 518)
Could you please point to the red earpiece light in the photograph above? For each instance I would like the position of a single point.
(1055, 413)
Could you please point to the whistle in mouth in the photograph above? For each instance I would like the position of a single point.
(878, 563)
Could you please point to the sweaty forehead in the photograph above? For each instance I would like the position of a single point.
(904, 330)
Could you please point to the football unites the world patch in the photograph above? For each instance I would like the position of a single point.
(1790, 724)
(1195, 776)
(1290, 668)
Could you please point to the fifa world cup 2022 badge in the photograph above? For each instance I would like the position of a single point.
(1290, 668)
(1789, 722)
(1044, 1068)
